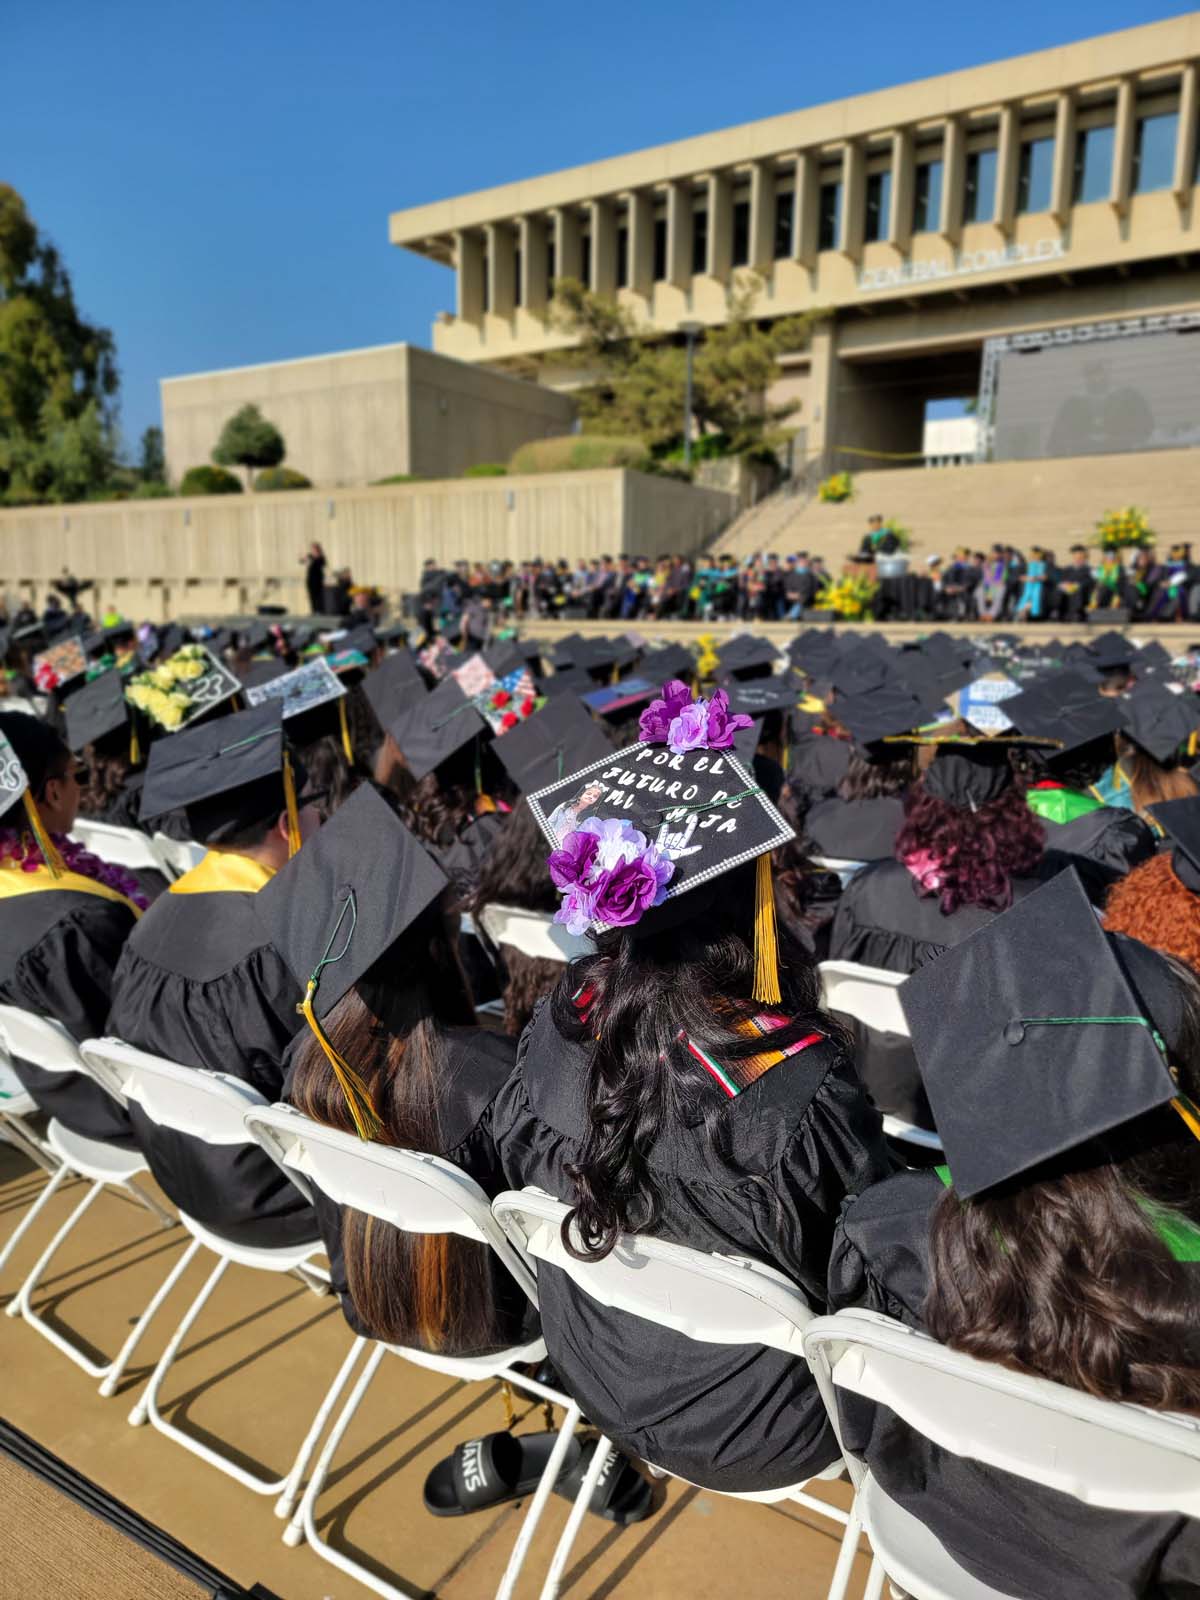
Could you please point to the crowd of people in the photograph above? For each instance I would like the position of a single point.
(652, 862)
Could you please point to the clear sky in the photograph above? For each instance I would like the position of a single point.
(218, 176)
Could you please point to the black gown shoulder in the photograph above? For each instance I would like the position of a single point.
(1103, 846)
(855, 830)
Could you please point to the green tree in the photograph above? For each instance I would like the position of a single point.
(152, 464)
(58, 372)
(249, 440)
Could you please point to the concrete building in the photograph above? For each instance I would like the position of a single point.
(1051, 189)
(359, 415)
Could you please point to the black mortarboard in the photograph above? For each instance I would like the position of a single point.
(1063, 708)
(259, 673)
(559, 738)
(254, 636)
(746, 655)
(96, 710)
(564, 652)
(1110, 651)
(571, 680)
(1180, 821)
(1152, 655)
(226, 774)
(779, 692)
(818, 764)
(504, 658)
(430, 730)
(171, 639)
(969, 775)
(672, 661)
(1049, 1045)
(858, 673)
(884, 713)
(362, 638)
(394, 684)
(1158, 721)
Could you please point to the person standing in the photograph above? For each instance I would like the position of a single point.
(314, 577)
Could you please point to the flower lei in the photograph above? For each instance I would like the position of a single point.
(21, 850)
(682, 723)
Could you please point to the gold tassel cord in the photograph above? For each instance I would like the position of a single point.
(766, 945)
(347, 747)
(293, 810)
(135, 749)
(358, 1096)
(44, 842)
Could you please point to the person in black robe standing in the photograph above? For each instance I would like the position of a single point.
(314, 577)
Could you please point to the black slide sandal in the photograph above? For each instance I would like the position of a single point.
(492, 1470)
(622, 1495)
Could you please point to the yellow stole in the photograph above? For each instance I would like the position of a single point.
(15, 881)
(224, 872)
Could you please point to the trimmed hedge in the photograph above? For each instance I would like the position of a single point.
(209, 480)
(272, 478)
(397, 477)
(153, 490)
(579, 452)
(487, 469)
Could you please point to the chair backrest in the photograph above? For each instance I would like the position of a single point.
(39, 1040)
(28, 708)
(534, 933)
(715, 1299)
(845, 868)
(192, 1100)
(869, 994)
(416, 1193)
(176, 856)
(1122, 1457)
(123, 847)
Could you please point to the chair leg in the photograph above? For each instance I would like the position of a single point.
(117, 1370)
(27, 1221)
(16, 1130)
(875, 1579)
(303, 1523)
(147, 1405)
(840, 1582)
(287, 1500)
(167, 1218)
(21, 1307)
(549, 1478)
(578, 1511)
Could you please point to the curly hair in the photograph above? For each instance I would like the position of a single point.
(107, 776)
(435, 810)
(871, 780)
(1152, 905)
(977, 853)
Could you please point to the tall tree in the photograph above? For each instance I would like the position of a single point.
(249, 440)
(152, 461)
(58, 372)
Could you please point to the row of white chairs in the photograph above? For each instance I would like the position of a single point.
(127, 847)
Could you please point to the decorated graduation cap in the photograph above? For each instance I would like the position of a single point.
(648, 826)
(226, 775)
(1180, 822)
(312, 700)
(559, 738)
(1159, 722)
(1061, 1032)
(431, 730)
(339, 906)
(27, 748)
(97, 711)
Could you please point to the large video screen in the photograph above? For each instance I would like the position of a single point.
(1098, 396)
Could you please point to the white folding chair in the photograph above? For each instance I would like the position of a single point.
(122, 847)
(1100, 1452)
(208, 1106)
(47, 1044)
(534, 933)
(843, 866)
(176, 856)
(871, 996)
(714, 1299)
(418, 1194)
(16, 1105)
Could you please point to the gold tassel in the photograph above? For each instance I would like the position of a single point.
(1187, 1111)
(347, 747)
(1191, 744)
(45, 843)
(358, 1096)
(766, 947)
(135, 749)
(293, 810)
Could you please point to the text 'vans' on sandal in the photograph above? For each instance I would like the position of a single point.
(621, 1494)
(492, 1470)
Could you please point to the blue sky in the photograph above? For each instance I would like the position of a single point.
(218, 176)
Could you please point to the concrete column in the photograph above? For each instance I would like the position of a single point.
(903, 177)
(535, 264)
(820, 413)
(1008, 158)
(502, 268)
(641, 242)
(679, 234)
(954, 177)
(568, 242)
(854, 199)
(807, 208)
(720, 226)
(1185, 144)
(604, 247)
(1122, 175)
(468, 255)
(762, 216)
(1062, 192)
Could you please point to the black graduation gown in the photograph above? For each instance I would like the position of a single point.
(477, 1063)
(58, 951)
(788, 1149)
(855, 830)
(200, 985)
(1103, 846)
(1021, 1538)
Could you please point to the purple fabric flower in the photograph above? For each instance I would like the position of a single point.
(577, 911)
(621, 896)
(689, 730)
(572, 862)
(618, 840)
(655, 721)
(722, 726)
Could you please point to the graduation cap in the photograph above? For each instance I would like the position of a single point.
(559, 738)
(312, 699)
(97, 710)
(431, 730)
(1180, 822)
(780, 692)
(259, 673)
(819, 762)
(885, 713)
(116, 631)
(672, 661)
(254, 636)
(619, 699)
(746, 655)
(859, 673)
(1152, 656)
(227, 775)
(362, 639)
(1160, 722)
(565, 651)
(504, 658)
(969, 774)
(338, 907)
(171, 639)
(570, 681)
(1060, 1033)
(1111, 651)
(1064, 711)
(392, 685)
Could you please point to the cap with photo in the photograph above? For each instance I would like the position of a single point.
(27, 740)
(313, 702)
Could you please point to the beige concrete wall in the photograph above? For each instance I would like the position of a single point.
(358, 415)
(226, 554)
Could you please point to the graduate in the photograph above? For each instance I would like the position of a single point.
(1159, 902)
(860, 821)
(683, 1080)
(65, 919)
(1061, 1237)
(201, 984)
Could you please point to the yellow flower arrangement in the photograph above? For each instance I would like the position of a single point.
(1128, 528)
(707, 662)
(849, 597)
(162, 693)
(836, 488)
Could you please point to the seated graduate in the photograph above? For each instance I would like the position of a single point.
(391, 1052)
(683, 1082)
(1155, 747)
(861, 820)
(200, 985)
(66, 916)
(1159, 902)
(1061, 1238)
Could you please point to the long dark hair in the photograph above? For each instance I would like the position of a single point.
(643, 993)
(871, 780)
(1063, 1274)
(431, 1290)
(977, 853)
(514, 874)
(107, 775)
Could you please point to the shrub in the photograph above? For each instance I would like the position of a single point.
(272, 478)
(209, 480)
(397, 477)
(579, 452)
(487, 469)
(152, 489)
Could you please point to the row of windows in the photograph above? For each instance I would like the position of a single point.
(1153, 168)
